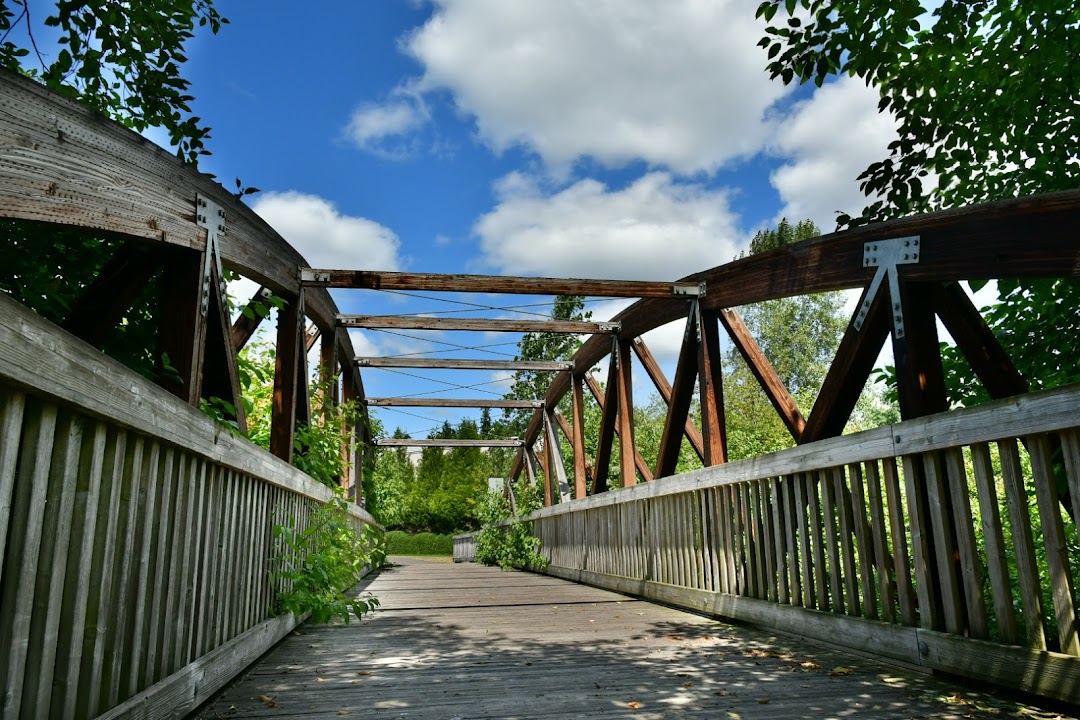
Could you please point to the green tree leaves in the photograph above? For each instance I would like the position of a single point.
(121, 59)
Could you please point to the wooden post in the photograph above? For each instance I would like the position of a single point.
(680, 397)
(711, 388)
(608, 411)
(578, 400)
(627, 460)
(246, 324)
(286, 372)
(554, 457)
(221, 375)
(181, 326)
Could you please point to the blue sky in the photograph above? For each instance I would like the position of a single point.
(611, 138)
(627, 139)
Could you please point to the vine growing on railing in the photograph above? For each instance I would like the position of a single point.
(319, 564)
(505, 540)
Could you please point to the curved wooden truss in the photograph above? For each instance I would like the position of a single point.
(173, 217)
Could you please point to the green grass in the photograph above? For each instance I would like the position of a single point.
(425, 543)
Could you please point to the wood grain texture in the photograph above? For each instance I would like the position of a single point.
(460, 640)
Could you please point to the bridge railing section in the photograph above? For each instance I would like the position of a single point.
(948, 542)
(135, 536)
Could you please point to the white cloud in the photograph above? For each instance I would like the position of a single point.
(654, 229)
(679, 84)
(385, 128)
(830, 139)
(324, 236)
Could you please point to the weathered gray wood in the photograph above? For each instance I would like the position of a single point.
(463, 364)
(806, 562)
(882, 555)
(79, 375)
(769, 538)
(78, 579)
(970, 563)
(1053, 537)
(828, 507)
(863, 542)
(1027, 569)
(787, 486)
(24, 530)
(1049, 674)
(996, 562)
(944, 543)
(101, 593)
(160, 571)
(1070, 446)
(843, 512)
(905, 594)
(68, 163)
(12, 403)
(817, 546)
(926, 585)
(115, 671)
(782, 595)
(52, 563)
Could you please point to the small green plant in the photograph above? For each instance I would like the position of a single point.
(507, 541)
(318, 564)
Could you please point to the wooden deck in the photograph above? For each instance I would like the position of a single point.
(465, 641)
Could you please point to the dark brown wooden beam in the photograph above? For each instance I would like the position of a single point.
(531, 433)
(453, 402)
(763, 371)
(599, 397)
(410, 322)
(553, 455)
(181, 326)
(221, 376)
(920, 379)
(609, 409)
(458, 364)
(446, 443)
(652, 369)
(855, 358)
(250, 318)
(626, 416)
(578, 441)
(286, 372)
(102, 304)
(711, 390)
(375, 280)
(679, 399)
(977, 342)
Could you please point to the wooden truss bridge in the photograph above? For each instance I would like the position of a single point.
(135, 531)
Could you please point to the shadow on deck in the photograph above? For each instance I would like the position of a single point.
(465, 641)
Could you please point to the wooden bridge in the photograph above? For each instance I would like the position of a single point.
(135, 530)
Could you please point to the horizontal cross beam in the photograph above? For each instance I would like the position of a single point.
(452, 402)
(376, 280)
(410, 322)
(457, 364)
(409, 442)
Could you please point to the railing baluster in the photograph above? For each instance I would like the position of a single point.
(970, 563)
(1053, 536)
(1023, 546)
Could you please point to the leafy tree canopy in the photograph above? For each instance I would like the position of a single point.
(987, 104)
(984, 93)
(121, 58)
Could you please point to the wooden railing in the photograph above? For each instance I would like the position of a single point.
(135, 536)
(915, 541)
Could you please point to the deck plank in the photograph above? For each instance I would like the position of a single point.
(466, 641)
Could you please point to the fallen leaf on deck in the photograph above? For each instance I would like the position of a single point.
(838, 671)
(688, 684)
(363, 672)
(720, 693)
(320, 679)
(342, 712)
(634, 705)
(763, 701)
